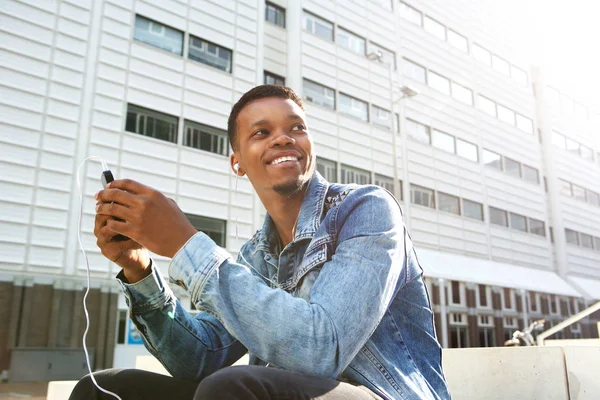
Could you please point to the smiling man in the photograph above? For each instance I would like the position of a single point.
(328, 297)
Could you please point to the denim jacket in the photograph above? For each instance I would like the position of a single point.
(344, 300)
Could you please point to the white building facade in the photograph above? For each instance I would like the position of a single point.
(497, 171)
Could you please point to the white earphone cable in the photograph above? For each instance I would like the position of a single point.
(87, 263)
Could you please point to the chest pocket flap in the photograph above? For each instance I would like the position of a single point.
(316, 255)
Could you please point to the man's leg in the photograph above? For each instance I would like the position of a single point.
(249, 382)
(133, 384)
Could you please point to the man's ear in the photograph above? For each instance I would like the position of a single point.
(235, 165)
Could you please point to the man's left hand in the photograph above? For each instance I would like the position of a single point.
(148, 217)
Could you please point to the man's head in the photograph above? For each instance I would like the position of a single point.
(269, 136)
(256, 93)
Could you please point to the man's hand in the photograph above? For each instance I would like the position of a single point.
(144, 215)
(127, 254)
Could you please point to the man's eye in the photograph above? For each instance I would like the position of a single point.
(261, 132)
(299, 127)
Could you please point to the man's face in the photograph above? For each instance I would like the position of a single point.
(275, 149)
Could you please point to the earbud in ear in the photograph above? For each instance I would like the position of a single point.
(236, 167)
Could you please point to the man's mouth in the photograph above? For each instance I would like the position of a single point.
(283, 159)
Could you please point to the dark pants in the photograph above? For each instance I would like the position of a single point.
(243, 382)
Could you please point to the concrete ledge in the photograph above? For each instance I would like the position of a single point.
(499, 373)
(60, 390)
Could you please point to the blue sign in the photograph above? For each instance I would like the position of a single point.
(133, 335)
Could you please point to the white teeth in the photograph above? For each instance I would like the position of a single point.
(282, 159)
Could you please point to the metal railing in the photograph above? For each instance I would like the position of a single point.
(567, 322)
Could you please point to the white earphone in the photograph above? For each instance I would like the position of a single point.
(236, 167)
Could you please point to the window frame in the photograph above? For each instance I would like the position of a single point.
(305, 97)
(414, 67)
(435, 83)
(443, 197)
(328, 165)
(267, 74)
(156, 115)
(207, 43)
(422, 189)
(353, 100)
(492, 210)
(210, 232)
(165, 28)
(466, 203)
(345, 169)
(352, 38)
(276, 8)
(306, 15)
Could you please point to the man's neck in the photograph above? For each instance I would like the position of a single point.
(284, 211)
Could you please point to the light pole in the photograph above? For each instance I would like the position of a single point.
(405, 92)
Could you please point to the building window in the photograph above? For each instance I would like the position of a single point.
(448, 203)
(210, 54)
(456, 293)
(422, 196)
(418, 132)
(586, 153)
(578, 192)
(506, 114)
(518, 222)
(597, 243)
(519, 75)
(318, 26)
(158, 35)
(512, 167)
(525, 124)
(387, 183)
(381, 117)
(472, 209)
(559, 140)
(213, 228)
(272, 79)
(435, 28)
(537, 227)
(593, 198)
(510, 325)
(206, 138)
(457, 40)
(500, 65)
(459, 337)
(355, 175)
(350, 41)
(151, 123)
(275, 14)
(122, 327)
(486, 105)
(572, 146)
(508, 299)
(492, 160)
(411, 14)
(466, 150)
(498, 217)
(353, 106)
(484, 296)
(586, 240)
(462, 94)
(565, 188)
(328, 169)
(534, 302)
(530, 174)
(442, 141)
(318, 94)
(482, 54)
(554, 304)
(571, 236)
(485, 329)
(387, 57)
(414, 71)
(438, 82)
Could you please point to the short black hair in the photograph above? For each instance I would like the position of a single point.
(258, 92)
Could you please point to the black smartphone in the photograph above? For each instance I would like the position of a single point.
(106, 178)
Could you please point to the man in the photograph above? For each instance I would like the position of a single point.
(328, 297)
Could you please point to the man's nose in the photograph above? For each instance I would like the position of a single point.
(281, 139)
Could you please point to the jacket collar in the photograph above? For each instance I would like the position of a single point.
(308, 220)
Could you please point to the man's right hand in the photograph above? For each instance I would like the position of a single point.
(127, 254)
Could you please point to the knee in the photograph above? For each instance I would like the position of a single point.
(232, 382)
(85, 388)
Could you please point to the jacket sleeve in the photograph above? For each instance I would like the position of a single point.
(189, 347)
(347, 300)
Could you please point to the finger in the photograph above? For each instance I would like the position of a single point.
(109, 236)
(120, 227)
(114, 210)
(130, 186)
(99, 223)
(117, 196)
